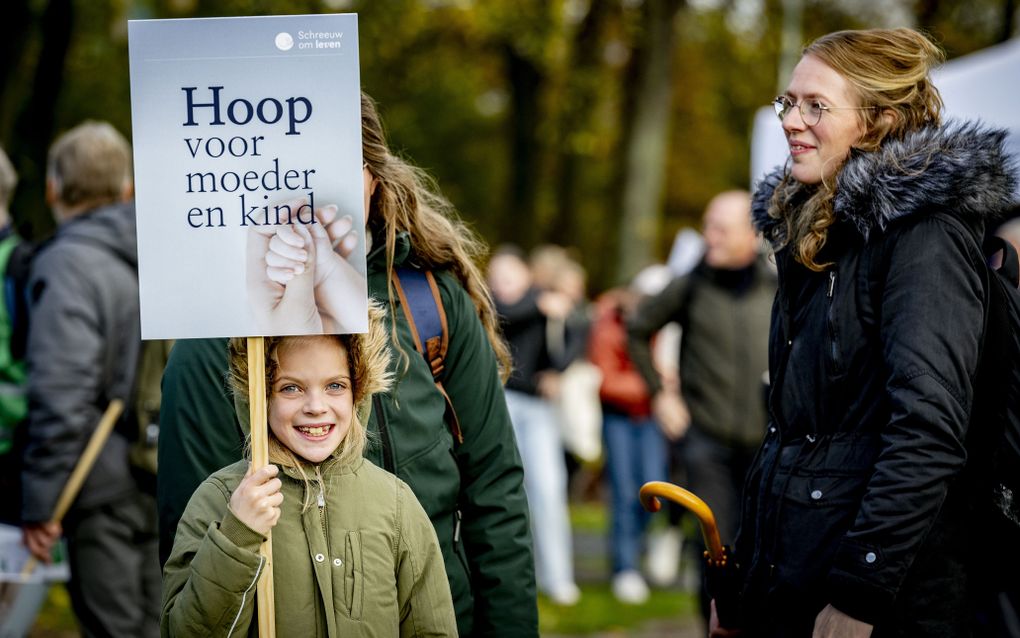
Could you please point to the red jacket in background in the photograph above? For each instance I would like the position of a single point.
(622, 390)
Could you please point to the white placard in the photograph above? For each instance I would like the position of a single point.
(240, 127)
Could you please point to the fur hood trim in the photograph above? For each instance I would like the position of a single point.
(961, 167)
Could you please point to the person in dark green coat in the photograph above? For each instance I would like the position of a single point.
(472, 490)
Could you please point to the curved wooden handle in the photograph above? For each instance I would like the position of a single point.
(651, 490)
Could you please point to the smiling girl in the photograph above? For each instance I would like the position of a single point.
(353, 551)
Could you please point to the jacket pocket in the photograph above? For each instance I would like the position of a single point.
(354, 576)
(817, 493)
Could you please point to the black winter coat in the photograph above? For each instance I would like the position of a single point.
(854, 499)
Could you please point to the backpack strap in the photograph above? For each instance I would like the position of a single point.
(423, 309)
(7, 246)
(13, 397)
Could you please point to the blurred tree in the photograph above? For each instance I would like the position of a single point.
(644, 148)
(36, 121)
(600, 124)
(582, 91)
(14, 31)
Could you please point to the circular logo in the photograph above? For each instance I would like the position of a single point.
(284, 41)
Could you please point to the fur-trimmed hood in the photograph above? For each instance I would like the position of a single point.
(961, 167)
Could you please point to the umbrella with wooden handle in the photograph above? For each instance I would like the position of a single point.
(722, 574)
(81, 470)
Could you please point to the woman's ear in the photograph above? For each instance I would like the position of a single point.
(889, 118)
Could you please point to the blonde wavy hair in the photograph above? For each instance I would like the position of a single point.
(888, 70)
(407, 199)
(368, 357)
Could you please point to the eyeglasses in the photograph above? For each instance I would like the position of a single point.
(810, 110)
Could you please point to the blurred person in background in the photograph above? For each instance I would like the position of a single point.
(526, 313)
(723, 307)
(665, 544)
(15, 261)
(83, 348)
(635, 448)
(578, 412)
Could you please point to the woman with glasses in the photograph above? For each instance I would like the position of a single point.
(855, 521)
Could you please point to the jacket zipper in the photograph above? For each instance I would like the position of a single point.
(384, 436)
(837, 367)
(321, 502)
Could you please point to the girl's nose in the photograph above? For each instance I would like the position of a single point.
(314, 403)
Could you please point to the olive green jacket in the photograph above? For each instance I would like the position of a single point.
(361, 559)
(473, 491)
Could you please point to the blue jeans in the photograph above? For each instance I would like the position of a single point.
(635, 454)
(545, 481)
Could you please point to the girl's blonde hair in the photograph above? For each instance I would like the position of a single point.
(368, 357)
(888, 70)
(406, 199)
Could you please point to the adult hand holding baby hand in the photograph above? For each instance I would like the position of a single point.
(322, 247)
(288, 307)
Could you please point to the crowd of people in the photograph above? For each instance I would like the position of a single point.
(818, 397)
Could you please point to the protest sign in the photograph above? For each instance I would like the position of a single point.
(247, 145)
(249, 189)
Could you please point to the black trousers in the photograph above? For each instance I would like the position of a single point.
(715, 473)
(113, 551)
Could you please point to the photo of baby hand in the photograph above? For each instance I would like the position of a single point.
(298, 275)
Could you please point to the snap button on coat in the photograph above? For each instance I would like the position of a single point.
(319, 558)
(870, 557)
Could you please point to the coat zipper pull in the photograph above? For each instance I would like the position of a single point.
(321, 499)
(832, 282)
(456, 528)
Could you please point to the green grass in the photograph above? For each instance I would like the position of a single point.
(55, 618)
(599, 611)
(589, 517)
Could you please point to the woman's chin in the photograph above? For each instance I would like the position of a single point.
(805, 173)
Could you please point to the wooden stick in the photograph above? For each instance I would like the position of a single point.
(259, 459)
(81, 470)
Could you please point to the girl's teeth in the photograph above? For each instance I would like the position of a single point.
(314, 431)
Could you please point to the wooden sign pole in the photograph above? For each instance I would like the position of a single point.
(259, 459)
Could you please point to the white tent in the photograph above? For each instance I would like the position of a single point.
(984, 86)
